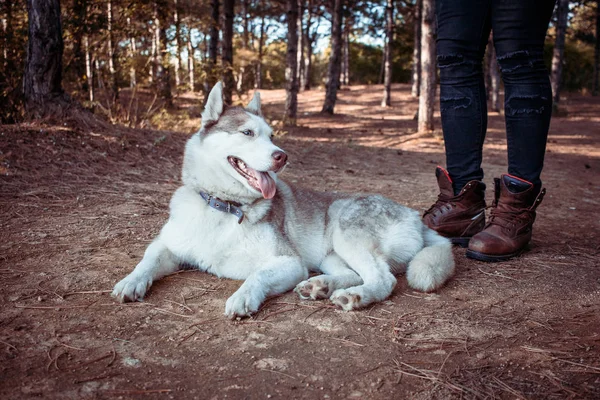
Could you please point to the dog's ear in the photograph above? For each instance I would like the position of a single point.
(214, 105)
(254, 105)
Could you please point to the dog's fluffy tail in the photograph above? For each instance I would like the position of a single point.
(433, 265)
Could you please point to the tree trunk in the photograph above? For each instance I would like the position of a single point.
(177, 24)
(163, 78)
(213, 46)
(7, 42)
(382, 65)
(387, 82)
(291, 68)
(261, 42)
(245, 29)
(190, 50)
(156, 46)
(164, 74)
(308, 67)
(153, 47)
(227, 51)
(132, 54)
(42, 80)
(309, 48)
(346, 52)
(596, 84)
(89, 72)
(206, 47)
(334, 60)
(428, 75)
(494, 73)
(98, 74)
(562, 12)
(245, 41)
(112, 56)
(416, 66)
(300, 45)
(79, 28)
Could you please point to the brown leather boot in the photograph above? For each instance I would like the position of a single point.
(457, 217)
(509, 228)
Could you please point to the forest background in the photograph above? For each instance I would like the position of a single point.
(126, 60)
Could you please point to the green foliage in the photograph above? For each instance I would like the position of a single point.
(402, 53)
(578, 63)
(365, 59)
(274, 64)
(578, 67)
(578, 71)
(319, 69)
(365, 63)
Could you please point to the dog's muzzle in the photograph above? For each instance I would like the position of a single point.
(279, 160)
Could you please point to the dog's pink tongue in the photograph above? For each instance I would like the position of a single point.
(267, 184)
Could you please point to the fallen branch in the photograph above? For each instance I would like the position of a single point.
(9, 345)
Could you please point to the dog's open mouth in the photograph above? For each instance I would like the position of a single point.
(260, 181)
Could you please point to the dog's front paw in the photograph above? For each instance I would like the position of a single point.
(315, 288)
(242, 303)
(347, 300)
(132, 288)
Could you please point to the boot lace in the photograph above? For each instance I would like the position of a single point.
(507, 216)
(443, 202)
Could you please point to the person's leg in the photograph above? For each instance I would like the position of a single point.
(463, 31)
(519, 28)
(462, 35)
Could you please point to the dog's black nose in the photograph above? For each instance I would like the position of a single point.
(280, 159)
(279, 156)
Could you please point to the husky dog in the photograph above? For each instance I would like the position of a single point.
(234, 218)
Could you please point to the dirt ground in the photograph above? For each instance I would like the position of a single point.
(78, 208)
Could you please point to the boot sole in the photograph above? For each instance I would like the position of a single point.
(475, 255)
(461, 241)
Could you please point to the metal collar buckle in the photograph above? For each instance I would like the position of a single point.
(223, 206)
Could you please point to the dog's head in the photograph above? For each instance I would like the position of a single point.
(232, 154)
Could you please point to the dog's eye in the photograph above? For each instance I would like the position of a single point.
(248, 132)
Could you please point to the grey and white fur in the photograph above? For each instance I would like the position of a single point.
(355, 243)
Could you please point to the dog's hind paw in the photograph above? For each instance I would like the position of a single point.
(313, 289)
(242, 303)
(132, 288)
(346, 300)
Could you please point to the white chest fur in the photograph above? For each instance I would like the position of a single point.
(213, 240)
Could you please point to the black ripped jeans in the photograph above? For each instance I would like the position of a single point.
(519, 29)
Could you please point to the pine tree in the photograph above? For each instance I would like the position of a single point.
(389, 31)
(428, 75)
(333, 71)
(291, 68)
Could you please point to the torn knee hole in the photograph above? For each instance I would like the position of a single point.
(450, 60)
(526, 105)
(454, 103)
(514, 54)
(512, 61)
